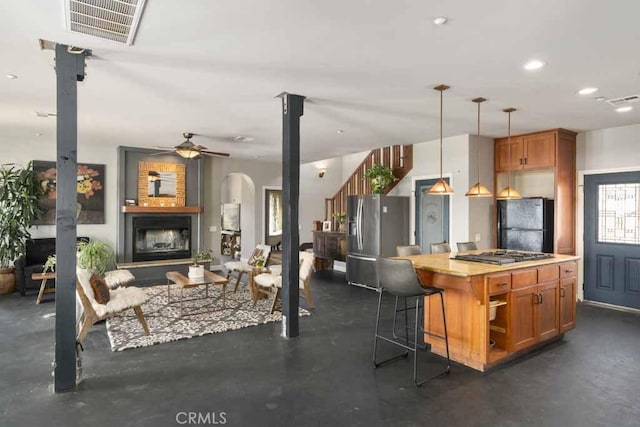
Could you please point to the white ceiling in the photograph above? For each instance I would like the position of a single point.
(366, 66)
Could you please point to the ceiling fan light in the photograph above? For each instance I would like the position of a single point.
(508, 193)
(478, 190)
(440, 188)
(188, 153)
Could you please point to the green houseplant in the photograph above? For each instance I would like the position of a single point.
(381, 177)
(19, 191)
(203, 255)
(95, 255)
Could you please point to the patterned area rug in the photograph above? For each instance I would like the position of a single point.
(202, 316)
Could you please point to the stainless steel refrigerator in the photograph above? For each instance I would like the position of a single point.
(526, 224)
(376, 224)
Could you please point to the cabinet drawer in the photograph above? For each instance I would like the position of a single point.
(524, 278)
(499, 282)
(567, 270)
(549, 273)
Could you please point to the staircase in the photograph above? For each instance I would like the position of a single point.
(398, 157)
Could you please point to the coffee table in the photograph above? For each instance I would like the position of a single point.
(43, 286)
(209, 278)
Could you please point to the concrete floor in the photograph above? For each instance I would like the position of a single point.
(324, 377)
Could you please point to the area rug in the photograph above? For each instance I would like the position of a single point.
(202, 316)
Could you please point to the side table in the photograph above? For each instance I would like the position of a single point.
(43, 290)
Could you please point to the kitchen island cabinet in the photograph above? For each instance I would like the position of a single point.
(530, 307)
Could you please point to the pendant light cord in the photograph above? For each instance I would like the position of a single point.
(509, 148)
(478, 145)
(441, 134)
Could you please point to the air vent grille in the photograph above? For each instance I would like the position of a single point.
(115, 20)
(625, 100)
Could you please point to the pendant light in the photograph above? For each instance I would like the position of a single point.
(509, 193)
(440, 188)
(478, 190)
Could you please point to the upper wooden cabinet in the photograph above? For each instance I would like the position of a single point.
(536, 151)
(553, 150)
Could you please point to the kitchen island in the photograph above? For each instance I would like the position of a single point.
(533, 304)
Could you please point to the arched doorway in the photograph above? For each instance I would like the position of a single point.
(238, 188)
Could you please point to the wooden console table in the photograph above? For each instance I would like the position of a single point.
(329, 246)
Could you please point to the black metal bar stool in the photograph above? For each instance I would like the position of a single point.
(398, 277)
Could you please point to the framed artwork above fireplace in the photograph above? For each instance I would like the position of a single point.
(161, 184)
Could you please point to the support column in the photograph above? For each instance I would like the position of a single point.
(292, 110)
(70, 63)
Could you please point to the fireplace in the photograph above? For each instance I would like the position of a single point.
(161, 237)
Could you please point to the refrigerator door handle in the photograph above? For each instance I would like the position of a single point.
(359, 221)
(364, 258)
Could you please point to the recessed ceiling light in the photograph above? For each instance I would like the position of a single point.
(242, 138)
(534, 64)
(600, 98)
(587, 90)
(12, 76)
(623, 109)
(44, 114)
(339, 131)
(38, 134)
(440, 20)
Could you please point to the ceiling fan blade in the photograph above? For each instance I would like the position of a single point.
(157, 147)
(213, 153)
(163, 152)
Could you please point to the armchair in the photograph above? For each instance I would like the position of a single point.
(271, 283)
(244, 267)
(121, 299)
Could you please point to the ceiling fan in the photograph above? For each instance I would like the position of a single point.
(189, 150)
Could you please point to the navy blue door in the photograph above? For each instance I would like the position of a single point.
(432, 216)
(612, 238)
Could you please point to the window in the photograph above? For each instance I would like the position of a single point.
(619, 213)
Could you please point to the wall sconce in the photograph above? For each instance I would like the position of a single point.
(321, 173)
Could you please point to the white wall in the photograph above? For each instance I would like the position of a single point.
(481, 209)
(314, 190)
(602, 151)
(350, 163)
(44, 148)
(426, 164)
(261, 174)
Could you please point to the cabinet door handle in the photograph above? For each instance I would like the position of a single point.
(503, 284)
(540, 298)
(521, 161)
(562, 292)
(537, 301)
(568, 271)
(525, 160)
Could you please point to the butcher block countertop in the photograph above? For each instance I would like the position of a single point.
(442, 263)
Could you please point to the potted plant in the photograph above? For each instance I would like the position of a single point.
(50, 264)
(381, 177)
(196, 271)
(19, 191)
(95, 255)
(341, 218)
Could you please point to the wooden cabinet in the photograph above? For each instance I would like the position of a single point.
(329, 245)
(548, 311)
(527, 152)
(534, 315)
(553, 150)
(567, 304)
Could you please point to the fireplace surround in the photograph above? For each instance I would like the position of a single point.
(161, 237)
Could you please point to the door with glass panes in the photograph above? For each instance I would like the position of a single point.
(612, 238)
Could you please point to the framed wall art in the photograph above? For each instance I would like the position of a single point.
(90, 187)
(161, 184)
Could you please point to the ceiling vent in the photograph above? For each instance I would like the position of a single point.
(115, 20)
(625, 100)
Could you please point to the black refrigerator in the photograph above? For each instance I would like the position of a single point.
(376, 225)
(526, 224)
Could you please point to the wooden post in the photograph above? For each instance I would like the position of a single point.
(69, 67)
(292, 110)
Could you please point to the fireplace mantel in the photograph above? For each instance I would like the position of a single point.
(162, 210)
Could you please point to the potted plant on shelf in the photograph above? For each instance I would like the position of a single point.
(96, 256)
(196, 270)
(341, 218)
(381, 177)
(19, 191)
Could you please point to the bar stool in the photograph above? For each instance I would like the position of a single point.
(398, 277)
(466, 246)
(440, 248)
(408, 250)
